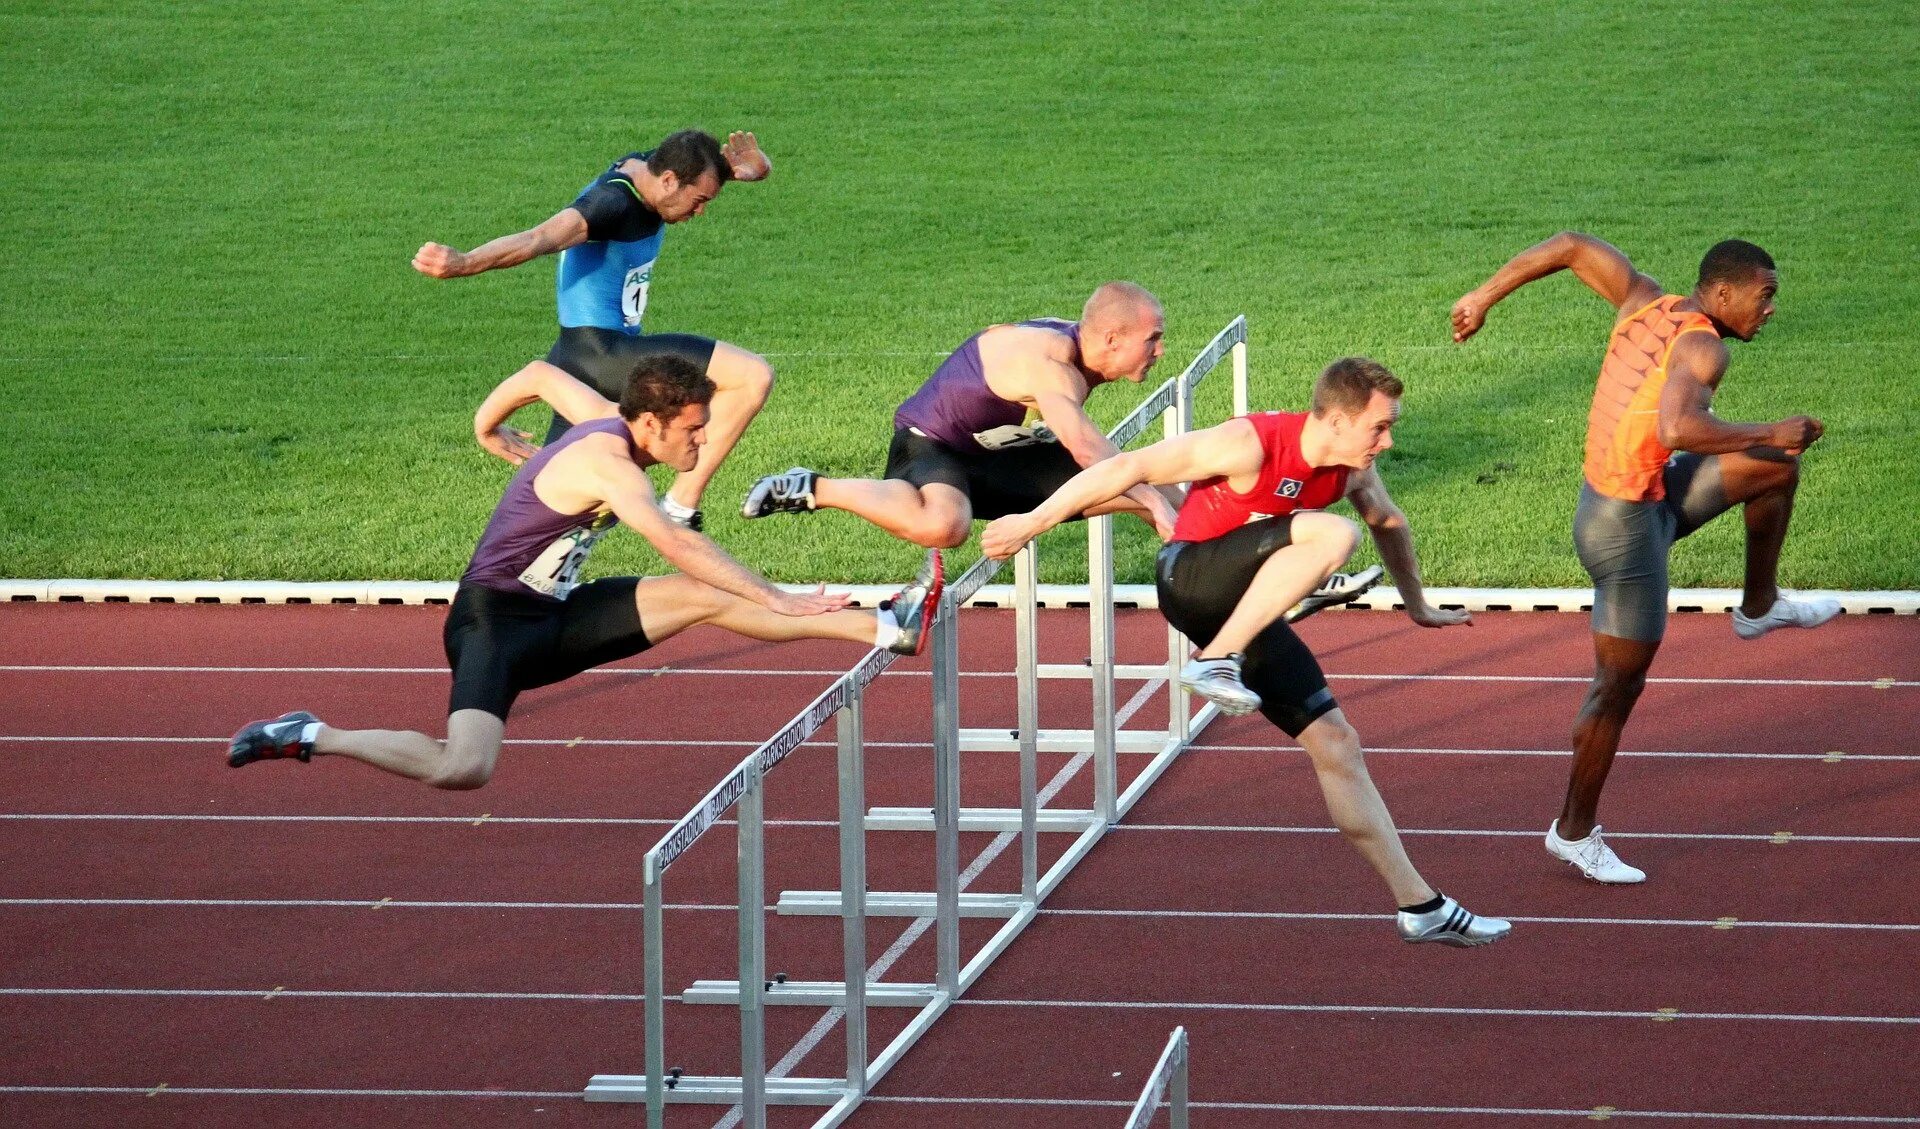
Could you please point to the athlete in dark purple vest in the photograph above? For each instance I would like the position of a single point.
(997, 428)
(521, 618)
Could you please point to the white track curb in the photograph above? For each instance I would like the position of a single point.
(865, 595)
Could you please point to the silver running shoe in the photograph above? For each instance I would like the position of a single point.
(1218, 681)
(1340, 588)
(1451, 924)
(789, 493)
(914, 607)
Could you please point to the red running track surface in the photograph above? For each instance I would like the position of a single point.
(323, 945)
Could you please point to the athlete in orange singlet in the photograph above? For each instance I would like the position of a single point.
(1659, 465)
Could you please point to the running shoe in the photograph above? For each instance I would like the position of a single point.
(1785, 613)
(284, 736)
(789, 493)
(1340, 588)
(1450, 924)
(1595, 859)
(914, 607)
(689, 518)
(1218, 681)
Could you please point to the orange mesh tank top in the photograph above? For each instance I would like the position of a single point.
(1624, 454)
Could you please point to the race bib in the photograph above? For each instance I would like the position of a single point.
(633, 293)
(556, 571)
(1015, 435)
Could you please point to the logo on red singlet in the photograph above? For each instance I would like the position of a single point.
(1290, 488)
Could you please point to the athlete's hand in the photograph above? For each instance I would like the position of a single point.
(1426, 615)
(816, 602)
(437, 260)
(1469, 314)
(742, 151)
(509, 443)
(1005, 536)
(1795, 434)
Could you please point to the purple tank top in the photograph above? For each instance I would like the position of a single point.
(956, 407)
(528, 548)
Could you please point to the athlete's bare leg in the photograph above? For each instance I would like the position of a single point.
(936, 515)
(742, 381)
(1356, 806)
(1320, 544)
(1764, 481)
(670, 604)
(1619, 675)
(464, 760)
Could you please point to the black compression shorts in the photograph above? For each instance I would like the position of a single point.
(1200, 583)
(500, 643)
(1011, 480)
(603, 359)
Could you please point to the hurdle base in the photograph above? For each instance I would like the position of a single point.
(811, 993)
(980, 819)
(716, 1090)
(885, 903)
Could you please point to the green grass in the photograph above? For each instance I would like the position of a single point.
(220, 365)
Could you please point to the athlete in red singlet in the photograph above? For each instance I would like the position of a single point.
(1659, 464)
(1251, 541)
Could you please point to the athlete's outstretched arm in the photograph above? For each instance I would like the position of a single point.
(1230, 449)
(1394, 538)
(626, 490)
(1067, 418)
(1599, 264)
(538, 381)
(1695, 365)
(743, 153)
(566, 229)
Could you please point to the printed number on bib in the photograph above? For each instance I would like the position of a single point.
(556, 571)
(633, 294)
(1014, 435)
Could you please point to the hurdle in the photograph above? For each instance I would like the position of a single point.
(753, 992)
(1166, 1085)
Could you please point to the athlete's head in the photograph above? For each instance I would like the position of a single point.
(1736, 287)
(688, 170)
(665, 405)
(1357, 401)
(1122, 331)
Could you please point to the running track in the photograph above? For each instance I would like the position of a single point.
(181, 944)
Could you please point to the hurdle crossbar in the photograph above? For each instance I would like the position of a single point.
(1167, 1085)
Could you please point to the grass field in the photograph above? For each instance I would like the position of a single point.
(220, 364)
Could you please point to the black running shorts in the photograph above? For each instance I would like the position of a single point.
(1624, 545)
(1011, 480)
(500, 643)
(603, 359)
(1200, 583)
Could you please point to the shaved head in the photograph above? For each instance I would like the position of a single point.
(1118, 304)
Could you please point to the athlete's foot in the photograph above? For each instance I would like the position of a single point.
(789, 493)
(690, 517)
(1340, 588)
(1592, 857)
(1450, 923)
(1785, 613)
(1218, 681)
(914, 606)
(289, 735)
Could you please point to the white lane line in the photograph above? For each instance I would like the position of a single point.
(1771, 838)
(920, 926)
(728, 907)
(327, 994)
(654, 672)
(1590, 1114)
(291, 1092)
(1661, 1014)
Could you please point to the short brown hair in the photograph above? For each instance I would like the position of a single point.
(664, 385)
(1350, 382)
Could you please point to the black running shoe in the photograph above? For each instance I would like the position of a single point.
(789, 493)
(915, 606)
(1340, 588)
(272, 740)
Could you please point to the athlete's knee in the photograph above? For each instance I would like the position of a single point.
(462, 773)
(472, 747)
(743, 375)
(1616, 689)
(1333, 534)
(1333, 745)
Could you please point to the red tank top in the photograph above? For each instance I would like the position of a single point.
(1286, 484)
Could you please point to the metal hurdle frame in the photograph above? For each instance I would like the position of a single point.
(1167, 1084)
(753, 992)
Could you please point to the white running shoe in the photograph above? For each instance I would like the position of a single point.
(1339, 588)
(1218, 681)
(1595, 859)
(1785, 613)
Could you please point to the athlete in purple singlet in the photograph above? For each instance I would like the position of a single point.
(968, 444)
(521, 617)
